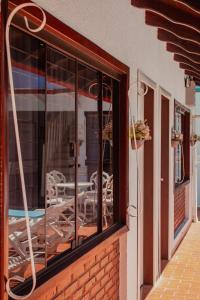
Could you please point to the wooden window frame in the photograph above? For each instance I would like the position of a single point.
(90, 54)
(186, 143)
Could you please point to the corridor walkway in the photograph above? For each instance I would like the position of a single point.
(180, 280)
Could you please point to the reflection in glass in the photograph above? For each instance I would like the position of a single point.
(61, 151)
(60, 156)
(178, 149)
(29, 83)
(45, 102)
(107, 136)
(88, 150)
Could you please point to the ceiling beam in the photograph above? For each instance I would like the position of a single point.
(170, 10)
(180, 31)
(179, 58)
(193, 4)
(178, 23)
(176, 49)
(166, 36)
(190, 73)
(188, 68)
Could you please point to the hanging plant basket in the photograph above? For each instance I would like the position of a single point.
(107, 132)
(139, 143)
(140, 130)
(193, 139)
(192, 143)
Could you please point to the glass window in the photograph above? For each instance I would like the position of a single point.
(60, 155)
(88, 150)
(182, 151)
(107, 152)
(29, 82)
(179, 149)
(66, 111)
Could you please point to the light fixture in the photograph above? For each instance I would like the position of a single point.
(188, 80)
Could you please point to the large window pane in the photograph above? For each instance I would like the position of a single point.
(29, 81)
(88, 150)
(178, 149)
(69, 152)
(107, 152)
(60, 152)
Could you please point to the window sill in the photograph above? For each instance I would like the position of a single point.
(65, 260)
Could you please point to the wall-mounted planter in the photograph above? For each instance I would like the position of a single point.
(193, 139)
(192, 143)
(140, 131)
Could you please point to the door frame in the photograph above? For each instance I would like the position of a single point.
(165, 98)
(147, 81)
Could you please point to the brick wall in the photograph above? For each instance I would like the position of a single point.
(93, 276)
(179, 207)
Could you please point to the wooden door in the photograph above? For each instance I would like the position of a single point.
(164, 201)
(148, 193)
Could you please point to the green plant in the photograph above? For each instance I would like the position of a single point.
(107, 131)
(142, 131)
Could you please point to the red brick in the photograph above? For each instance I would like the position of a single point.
(51, 293)
(86, 297)
(71, 289)
(89, 285)
(100, 295)
(112, 290)
(78, 294)
(101, 255)
(83, 279)
(94, 269)
(64, 283)
(104, 261)
(108, 267)
(95, 289)
(100, 274)
(60, 297)
(104, 280)
(114, 254)
(116, 244)
(108, 285)
(109, 248)
(114, 271)
(78, 271)
(91, 262)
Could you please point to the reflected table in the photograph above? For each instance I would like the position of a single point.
(71, 185)
(82, 187)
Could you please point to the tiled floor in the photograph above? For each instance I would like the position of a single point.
(180, 280)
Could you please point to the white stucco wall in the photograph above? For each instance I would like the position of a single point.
(120, 29)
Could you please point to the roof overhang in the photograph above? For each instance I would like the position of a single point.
(178, 23)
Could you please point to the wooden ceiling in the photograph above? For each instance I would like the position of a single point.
(178, 23)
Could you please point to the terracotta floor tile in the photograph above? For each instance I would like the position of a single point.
(180, 279)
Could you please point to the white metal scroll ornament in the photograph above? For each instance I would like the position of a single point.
(19, 153)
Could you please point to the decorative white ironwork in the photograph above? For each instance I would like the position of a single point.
(19, 153)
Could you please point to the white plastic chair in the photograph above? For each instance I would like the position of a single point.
(59, 178)
(108, 200)
(54, 220)
(91, 195)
